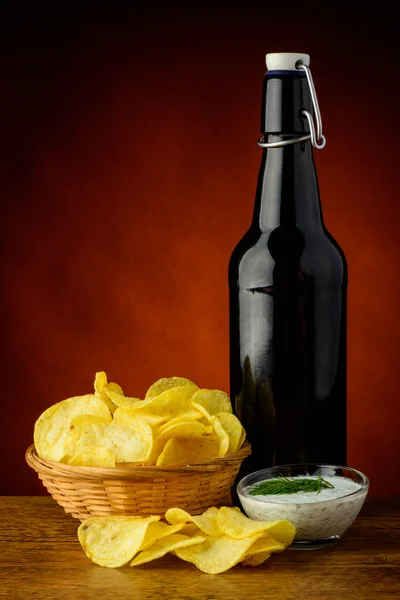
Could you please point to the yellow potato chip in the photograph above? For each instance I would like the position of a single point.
(156, 451)
(185, 429)
(157, 531)
(242, 438)
(188, 451)
(233, 428)
(216, 554)
(169, 403)
(48, 438)
(163, 546)
(100, 380)
(266, 544)
(53, 425)
(167, 383)
(261, 550)
(94, 456)
(191, 530)
(177, 515)
(123, 401)
(238, 526)
(282, 531)
(223, 437)
(206, 417)
(207, 522)
(65, 459)
(128, 415)
(113, 541)
(214, 401)
(254, 560)
(181, 418)
(113, 388)
(102, 389)
(86, 431)
(131, 442)
(192, 443)
(178, 427)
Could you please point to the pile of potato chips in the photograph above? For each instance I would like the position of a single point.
(176, 423)
(214, 541)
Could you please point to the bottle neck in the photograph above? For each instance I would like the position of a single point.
(287, 191)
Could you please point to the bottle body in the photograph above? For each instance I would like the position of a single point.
(288, 287)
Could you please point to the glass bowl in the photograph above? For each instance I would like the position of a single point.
(320, 519)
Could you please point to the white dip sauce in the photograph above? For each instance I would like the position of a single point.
(314, 515)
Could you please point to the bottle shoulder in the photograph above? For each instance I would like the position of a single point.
(314, 252)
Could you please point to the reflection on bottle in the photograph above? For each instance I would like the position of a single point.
(255, 408)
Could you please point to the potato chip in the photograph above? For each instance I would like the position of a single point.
(131, 442)
(181, 418)
(191, 530)
(100, 383)
(223, 437)
(113, 541)
(53, 425)
(233, 428)
(206, 418)
(185, 429)
(216, 554)
(157, 531)
(167, 383)
(255, 560)
(100, 380)
(177, 515)
(214, 401)
(282, 531)
(261, 550)
(264, 544)
(188, 451)
(86, 431)
(127, 415)
(123, 401)
(94, 456)
(236, 525)
(163, 546)
(242, 438)
(169, 403)
(65, 459)
(156, 451)
(207, 522)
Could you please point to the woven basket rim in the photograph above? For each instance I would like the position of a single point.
(50, 467)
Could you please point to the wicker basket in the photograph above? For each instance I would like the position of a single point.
(87, 491)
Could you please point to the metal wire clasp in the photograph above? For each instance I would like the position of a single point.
(317, 139)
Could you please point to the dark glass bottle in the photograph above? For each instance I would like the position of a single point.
(288, 286)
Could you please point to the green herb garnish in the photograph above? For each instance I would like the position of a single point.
(285, 485)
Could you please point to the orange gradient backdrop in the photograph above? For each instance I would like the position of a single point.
(129, 165)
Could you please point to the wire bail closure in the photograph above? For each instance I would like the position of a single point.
(317, 139)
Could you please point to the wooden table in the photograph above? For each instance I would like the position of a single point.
(40, 557)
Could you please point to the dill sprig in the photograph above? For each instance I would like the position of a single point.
(285, 485)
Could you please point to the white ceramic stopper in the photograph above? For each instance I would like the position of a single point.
(285, 61)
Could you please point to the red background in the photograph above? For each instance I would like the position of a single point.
(128, 171)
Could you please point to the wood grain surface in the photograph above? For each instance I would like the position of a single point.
(40, 558)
